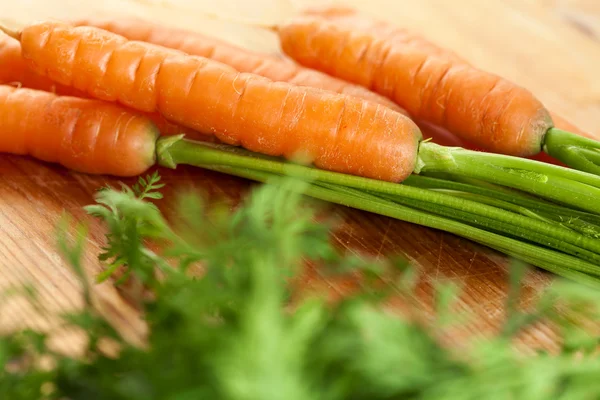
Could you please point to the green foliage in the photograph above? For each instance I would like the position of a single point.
(230, 334)
(148, 188)
(130, 220)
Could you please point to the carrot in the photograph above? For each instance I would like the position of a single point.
(246, 61)
(14, 71)
(384, 31)
(277, 118)
(434, 85)
(281, 70)
(426, 82)
(193, 43)
(95, 137)
(81, 134)
(337, 132)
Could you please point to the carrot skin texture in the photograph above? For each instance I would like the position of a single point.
(480, 107)
(14, 71)
(243, 60)
(336, 132)
(280, 69)
(349, 17)
(84, 135)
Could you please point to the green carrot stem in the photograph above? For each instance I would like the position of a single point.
(487, 187)
(591, 155)
(556, 262)
(457, 183)
(505, 205)
(482, 221)
(574, 188)
(174, 151)
(572, 223)
(585, 223)
(498, 192)
(432, 150)
(506, 229)
(575, 151)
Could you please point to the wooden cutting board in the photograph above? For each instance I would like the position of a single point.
(550, 47)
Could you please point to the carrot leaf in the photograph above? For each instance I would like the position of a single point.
(488, 221)
(240, 329)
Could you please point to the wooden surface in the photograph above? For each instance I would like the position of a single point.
(549, 46)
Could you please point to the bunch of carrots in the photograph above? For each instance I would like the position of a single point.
(346, 112)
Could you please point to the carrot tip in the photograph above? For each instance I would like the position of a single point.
(11, 32)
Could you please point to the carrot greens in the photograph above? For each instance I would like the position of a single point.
(233, 333)
(566, 186)
(586, 223)
(575, 189)
(578, 152)
(535, 226)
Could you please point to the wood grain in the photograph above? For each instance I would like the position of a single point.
(534, 42)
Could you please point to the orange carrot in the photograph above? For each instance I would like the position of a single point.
(246, 61)
(193, 43)
(483, 108)
(15, 72)
(81, 134)
(96, 137)
(434, 85)
(337, 132)
(13, 69)
(379, 30)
